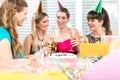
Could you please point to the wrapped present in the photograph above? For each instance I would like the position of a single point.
(94, 49)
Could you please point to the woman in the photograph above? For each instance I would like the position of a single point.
(63, 34)
(12, 14)
(37, 39)
(99, 24)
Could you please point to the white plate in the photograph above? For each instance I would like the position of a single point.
(62, 55)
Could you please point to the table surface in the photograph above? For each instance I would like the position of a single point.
(33, 65)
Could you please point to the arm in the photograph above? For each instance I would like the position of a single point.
(27, 44)
(5, 50)
(76, 41)
(85, 39)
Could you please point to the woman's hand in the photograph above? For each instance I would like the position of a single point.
(75, 42)
(47, 48)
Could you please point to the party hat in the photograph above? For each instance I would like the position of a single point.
(98, 8)
(60, 5)
(40, 7)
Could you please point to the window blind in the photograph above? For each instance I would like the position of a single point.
(78, 11)
(51, 7)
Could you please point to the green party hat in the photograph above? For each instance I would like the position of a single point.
(98, 8)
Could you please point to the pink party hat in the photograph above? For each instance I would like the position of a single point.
(59, 4)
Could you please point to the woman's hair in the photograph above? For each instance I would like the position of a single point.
(8, 11)
(20, 4)
(101, 16)
(65, 10)
(36, 30)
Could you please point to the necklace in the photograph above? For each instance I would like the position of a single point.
(41, 39)
(41, 43)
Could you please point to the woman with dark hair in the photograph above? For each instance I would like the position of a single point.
(67, 39)
(99, 24)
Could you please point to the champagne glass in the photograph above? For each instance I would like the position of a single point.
(83, 38)
(73, 34)
(73, 37)
(51, 41)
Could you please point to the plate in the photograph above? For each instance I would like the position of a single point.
(62, 55)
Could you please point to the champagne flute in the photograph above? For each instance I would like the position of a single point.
(73, 37)
(73, 34)
(83, 38)
(51, 41)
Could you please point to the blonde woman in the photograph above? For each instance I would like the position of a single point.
(12, 14)
(37, 39)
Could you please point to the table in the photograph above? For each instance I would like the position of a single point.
(52, 68)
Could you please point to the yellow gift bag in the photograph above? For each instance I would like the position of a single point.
(94, 49)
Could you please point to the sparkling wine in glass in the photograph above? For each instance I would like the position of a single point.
(51, 41)
(73, 34)
(73, 37)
